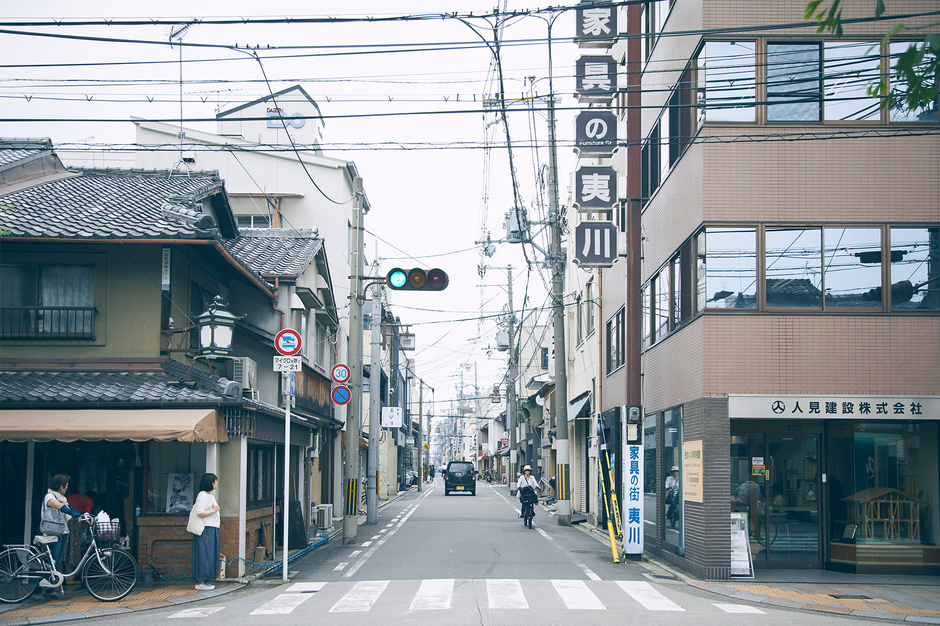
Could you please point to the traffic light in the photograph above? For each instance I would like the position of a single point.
(417, 279)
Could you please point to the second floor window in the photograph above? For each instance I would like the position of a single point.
(615, 348)
(47, 301)
(253, 221)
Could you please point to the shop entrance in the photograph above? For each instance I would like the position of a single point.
(775, 486)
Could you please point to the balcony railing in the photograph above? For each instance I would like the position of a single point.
(62, 323)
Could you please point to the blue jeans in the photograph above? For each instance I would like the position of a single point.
(58, 549)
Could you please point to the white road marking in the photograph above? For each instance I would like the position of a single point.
(376, 537)
(355, 553)
(433, 595)
(204, 611)
(576, 595)
(283, 604)
(389, 525)
(384, 530)
(367, 555)
(505, 594)
(645, 594)
(305, 587)
(366, 544)
(739, 608)
(361, 597)
(341, 566)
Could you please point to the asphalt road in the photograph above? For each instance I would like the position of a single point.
(462, 559)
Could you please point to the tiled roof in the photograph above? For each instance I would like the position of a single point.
(274, 251)
(112, 204)
(18, 150)
(67, 387)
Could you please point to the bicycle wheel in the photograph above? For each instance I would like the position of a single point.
(765, 533)
(15, 586)
(115, 580)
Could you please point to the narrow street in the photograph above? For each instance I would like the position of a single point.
(468, 559)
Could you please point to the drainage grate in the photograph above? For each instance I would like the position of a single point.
(588, 551)
(663, 576)
(848, 597)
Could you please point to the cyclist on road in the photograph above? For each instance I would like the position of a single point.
(526, 480)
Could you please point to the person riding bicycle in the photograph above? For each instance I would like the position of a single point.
(526, 481)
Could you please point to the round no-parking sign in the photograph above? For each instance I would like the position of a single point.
(288, 342)
(340, 394)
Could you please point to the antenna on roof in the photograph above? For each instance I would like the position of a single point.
(178, 32)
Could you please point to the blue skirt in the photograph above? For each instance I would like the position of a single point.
(206, 554)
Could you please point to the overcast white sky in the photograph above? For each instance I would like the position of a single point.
(427, 203)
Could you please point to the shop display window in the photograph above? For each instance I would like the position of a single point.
(650, 477)
(883, 493)
(174, 469)
(673, 537)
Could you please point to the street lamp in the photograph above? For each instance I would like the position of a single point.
(216, 328)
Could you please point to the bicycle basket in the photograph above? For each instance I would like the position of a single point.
(528, 495)
(107, 532)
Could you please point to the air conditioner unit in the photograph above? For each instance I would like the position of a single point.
(325, 516)
(245, 371)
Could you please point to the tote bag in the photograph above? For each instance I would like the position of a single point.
(52, 521)
(196, 524)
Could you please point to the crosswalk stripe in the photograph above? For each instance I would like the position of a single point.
(739, 608)
(283, 604)
(645, 594)
(505, 594)
(361, 597)
(433, 595)
(305, 587)
(576, 595)
(203, 611)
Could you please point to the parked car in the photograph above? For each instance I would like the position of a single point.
(460, 476)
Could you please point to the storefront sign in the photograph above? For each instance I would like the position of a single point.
(757, 465)
(633, 498)
(823, 406)
(692, 471)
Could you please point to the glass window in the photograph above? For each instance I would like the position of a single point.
(261, 478)
(852, 273)
(700, 297)
(793, 267)
(915, 268)
(899, 110)
(727, 80)
(651, 482)
(664, 136)
(589, 312)
(850, 68)
(883, 491)
(579, 321)
(673, 538)
(728, 259)
(794, 88)
(661, 310)
(647, 315)
(615, 356)
(253, 221)
(64, 295)
(174, 468)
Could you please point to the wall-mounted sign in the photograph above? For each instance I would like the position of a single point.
(596, 26)
(692, 471)
(165, 271)
(595, 244)
(392, 417)
(825, 406)
(277, 119)
(595, 189)
(596, 78)
(595, 132)
(633, 467)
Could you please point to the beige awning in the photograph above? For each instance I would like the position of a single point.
(112, 425)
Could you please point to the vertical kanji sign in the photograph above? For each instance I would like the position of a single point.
(632, 498)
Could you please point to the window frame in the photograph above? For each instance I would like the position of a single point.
(615, 349)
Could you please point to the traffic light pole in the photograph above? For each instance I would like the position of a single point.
(375, 408)
(354, 408)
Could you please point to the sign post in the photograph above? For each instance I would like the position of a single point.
(288, 343)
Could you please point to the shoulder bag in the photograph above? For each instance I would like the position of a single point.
(196, 524)
(52, 521)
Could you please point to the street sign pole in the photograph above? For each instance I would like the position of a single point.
(285, 510)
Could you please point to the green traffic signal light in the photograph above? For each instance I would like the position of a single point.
(417, 279)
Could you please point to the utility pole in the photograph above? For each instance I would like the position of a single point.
(562, 471)
(511, 395)
(375, 406)
(420, 434)
(354, 408)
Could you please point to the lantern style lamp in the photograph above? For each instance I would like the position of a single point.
(216, 329)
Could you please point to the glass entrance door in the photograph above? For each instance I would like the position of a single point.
(775, 488)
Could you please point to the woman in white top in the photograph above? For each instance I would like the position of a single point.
(206, 545)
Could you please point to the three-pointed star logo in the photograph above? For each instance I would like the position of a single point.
(778, 406)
